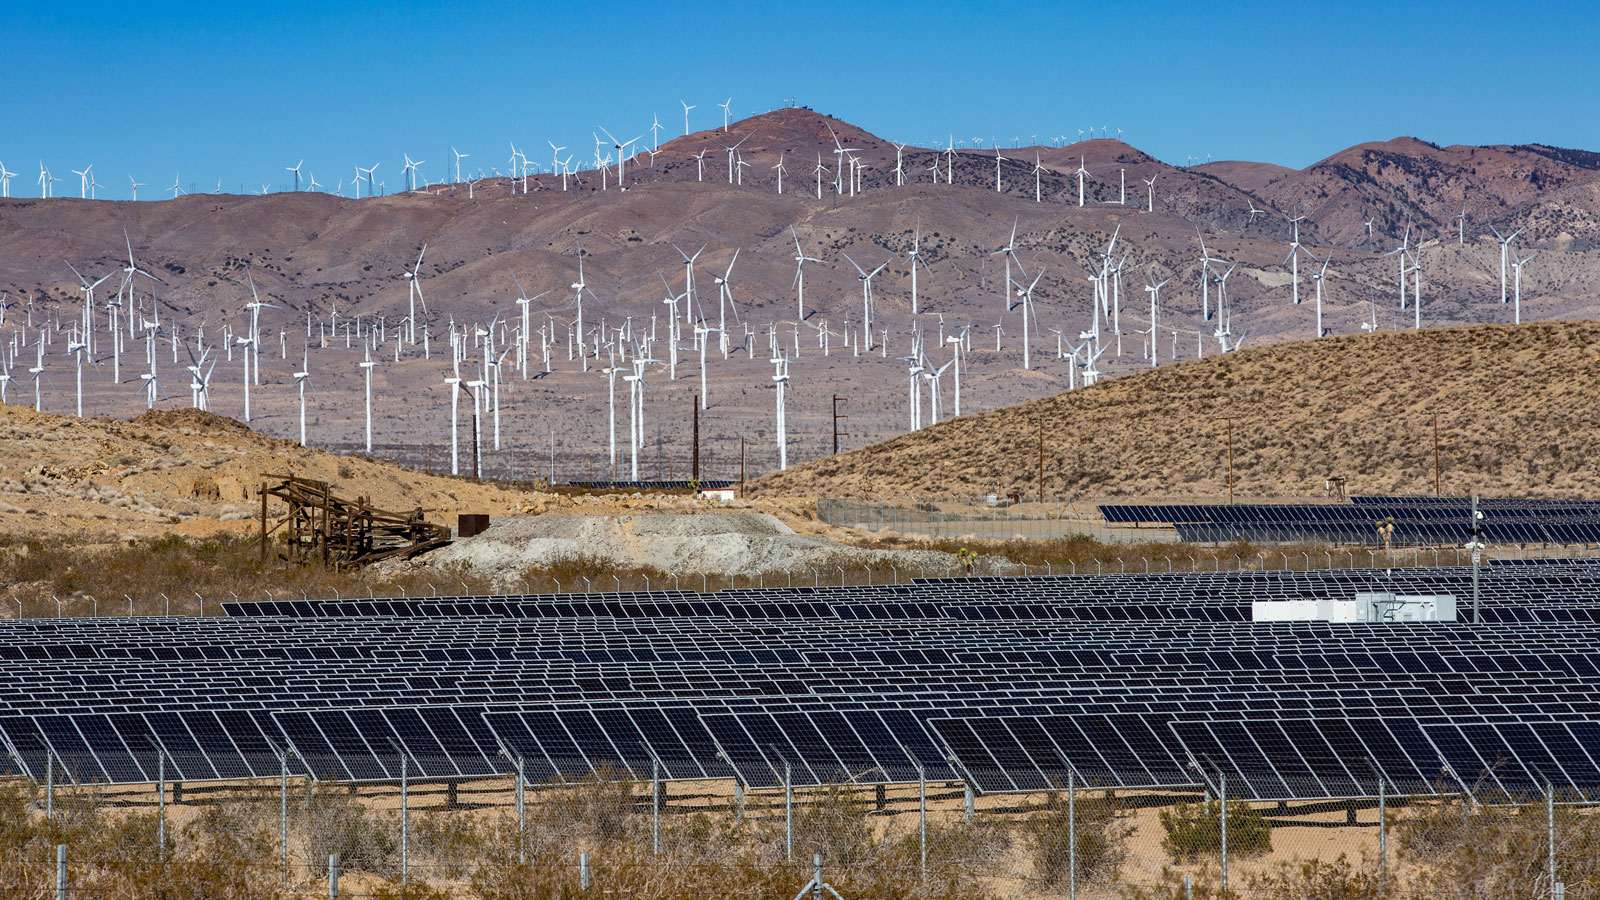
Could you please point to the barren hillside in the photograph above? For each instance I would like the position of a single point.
(1515, 407)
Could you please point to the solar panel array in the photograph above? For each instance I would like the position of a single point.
(705, 484)
(1417, 520)
(1011, 683)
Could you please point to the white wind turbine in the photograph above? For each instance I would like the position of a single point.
(38, 373)
(1403, 251)
(1294, 258)
(296, 170)
(367, 365)
(686, 108)
(4, 182)
(899, 171)
(1150, 194)
(1082, 173)
(1154, 288)
(1320, 278)
(913, 260)
(1007, 251)
(1461, 225)
(1505, 252)
(1038, 170)
(725, 104)
(780, 383)
(958, 342)
(800, 260)
(453, 382)
(459, 157)
(83, 181)
(655, 131)
(6, 176)
(611, 408)
(725, 300)
(1026, 297)
(780, 169)
(413, 278)
(248, 345)
(302, 380)
(700, 165)
(1517, 265)
(866, 298)
(78, 349)
(998, 159)
(410, 171)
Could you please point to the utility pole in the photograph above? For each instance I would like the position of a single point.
(836, 417)
(696, 473)
(1436, 457)
(741, 467)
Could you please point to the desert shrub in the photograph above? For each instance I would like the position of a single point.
(1097, 841)
(600, 806)
(1195, 829)
(833, 821)
(337, 822)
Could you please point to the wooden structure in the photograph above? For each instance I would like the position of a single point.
(342, 533)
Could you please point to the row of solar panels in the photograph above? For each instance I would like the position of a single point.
(1414, 521)
(705, 484)
(1163, 595)
(1260, 759)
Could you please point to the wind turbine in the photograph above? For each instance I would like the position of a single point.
(578, 288)
(686, 108)
(1154, 288)
(302, 380)
(899, 171)
(459, 157)
(1082, 173)
(1026, 295)
(1461, 225)
(410, 171)
(1038, 170)
(655, 131)
(725, 300)
(5, 183)
(914, 259)
(1505, 251)
(866, 298)
(725, 104)
(78, 349)
(296, 170)
(800, 260)
(1294, 258)
(1150, 195)
(780, 169)
(453, 382)
(1517, 264)
(6, 176)
(780, 383)
(366, 366)
(1320, 278)
(413, 278)
(958, 340)
(998, 159)
(1404, 250)
(1007, 251)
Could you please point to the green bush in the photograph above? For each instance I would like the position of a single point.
(1195, 829)
(1098, 843)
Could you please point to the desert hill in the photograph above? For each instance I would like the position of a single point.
(1513, 406)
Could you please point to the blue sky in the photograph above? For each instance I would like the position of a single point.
(239, 91)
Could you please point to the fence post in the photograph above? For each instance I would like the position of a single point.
(333, 876)
(405, 823)
(1383, 836)
(972, 801)
(50, 784)
(1072, 835)
(61, 872)
(161, 802)
(1188, 887)
(583, 870)
(922, 819)
(283, 814)
(522, 814)
(1550, 825)
(738, 799)
(788, 811)
(655, 807)
(1222, 781)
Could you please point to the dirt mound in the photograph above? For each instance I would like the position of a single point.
(744, 543)
(197, 421)
(1513, 406)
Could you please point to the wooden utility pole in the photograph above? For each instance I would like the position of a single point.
(836, 417)
(1041, 461)
(1437, 482)
(263, 525)
(741, 467)
(696, 473)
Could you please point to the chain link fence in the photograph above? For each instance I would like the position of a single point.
(613, 835)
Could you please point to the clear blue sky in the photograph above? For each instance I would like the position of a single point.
(238, 91)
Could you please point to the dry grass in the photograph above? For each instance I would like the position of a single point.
(1513, 405)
